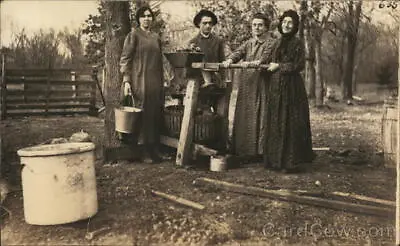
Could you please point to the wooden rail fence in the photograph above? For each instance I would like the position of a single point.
(37, 91)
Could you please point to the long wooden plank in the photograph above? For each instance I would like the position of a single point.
(45, 71)
(364, 198)
(218, 66)
(196, 149)
(49, 106)
(292, 197)
(43, 80)
(36, 92)
(11, 113)
(183, 154)
(52, 99)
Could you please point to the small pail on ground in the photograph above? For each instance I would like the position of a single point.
(218, 163)
(389, 133)
(58, 183)
(127, 119)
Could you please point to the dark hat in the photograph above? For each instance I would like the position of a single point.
(204, 12)
(296, 21)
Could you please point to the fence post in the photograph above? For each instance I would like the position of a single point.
(48, 91)
(73, 78)
(93, 109)
(3, 89)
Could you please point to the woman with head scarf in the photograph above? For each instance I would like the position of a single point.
(288, 142)
(142, 68)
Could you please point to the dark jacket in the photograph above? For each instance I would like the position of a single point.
(212, 47)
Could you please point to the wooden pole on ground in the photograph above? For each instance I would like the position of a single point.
(293, 197)
(398, 151)
(179, 200)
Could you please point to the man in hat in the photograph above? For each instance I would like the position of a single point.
(208, 43)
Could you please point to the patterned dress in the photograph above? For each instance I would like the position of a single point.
(248, 129)
(141, 58)
(288, 142)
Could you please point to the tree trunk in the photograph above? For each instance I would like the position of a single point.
(303, 18)
(355, 70)
(352, 34)
(309, 66)
(117, 26)
(318, 78)
(342, 59)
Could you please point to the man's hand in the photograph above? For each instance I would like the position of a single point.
(127, 88)
(226, 63)
(273, 67)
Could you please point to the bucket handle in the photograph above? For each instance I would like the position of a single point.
(131, 95)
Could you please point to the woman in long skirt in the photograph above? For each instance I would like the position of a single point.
(248, 131)
(288, 142)
(142, 69)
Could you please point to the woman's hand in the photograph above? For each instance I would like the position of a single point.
(255, 63)
(272, 67)
(127, 88)
(226, 63)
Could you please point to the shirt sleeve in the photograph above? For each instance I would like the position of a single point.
(298, 61)
(221, 50)
(192, 41)
(239, 53)
(127, 54)
(268, 52)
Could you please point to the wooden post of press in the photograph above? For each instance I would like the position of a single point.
(183, 153)
(3, 89)
(232, 113)
(398, 151)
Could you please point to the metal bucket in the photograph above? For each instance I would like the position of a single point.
(218, 163)
(127, 119)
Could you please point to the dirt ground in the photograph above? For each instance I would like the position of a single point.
(354, 164)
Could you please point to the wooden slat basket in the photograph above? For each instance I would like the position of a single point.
(206, 127)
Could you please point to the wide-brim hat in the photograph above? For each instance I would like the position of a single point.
(204, 12)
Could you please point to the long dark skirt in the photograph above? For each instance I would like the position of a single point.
(288, 135)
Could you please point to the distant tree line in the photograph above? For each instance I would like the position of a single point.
(46, 49)
(339, 37)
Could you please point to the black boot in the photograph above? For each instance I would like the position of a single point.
(146, 156)
(150, 154)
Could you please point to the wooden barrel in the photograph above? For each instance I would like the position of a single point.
(389, 133)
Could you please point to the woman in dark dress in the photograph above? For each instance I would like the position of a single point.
(288, 142)
(142, 68)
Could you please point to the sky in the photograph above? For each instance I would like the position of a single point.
(58, 14)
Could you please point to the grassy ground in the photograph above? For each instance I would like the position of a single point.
(136, 217)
